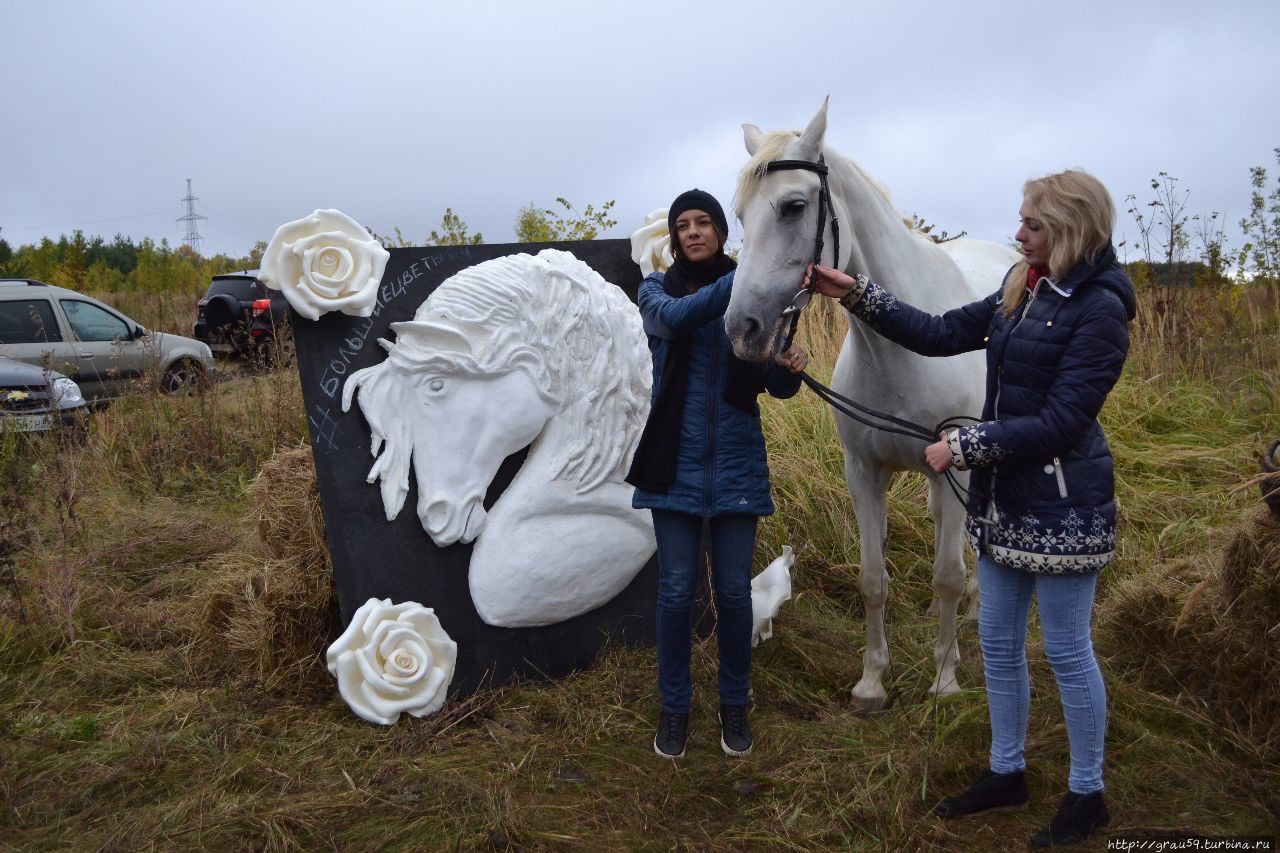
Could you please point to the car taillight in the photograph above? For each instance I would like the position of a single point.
(201, 302)
(261, 306)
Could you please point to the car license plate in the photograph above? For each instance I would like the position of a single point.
(26, 423)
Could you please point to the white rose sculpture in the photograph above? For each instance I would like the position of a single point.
(325, 262)
(393, 659)
(651, 244)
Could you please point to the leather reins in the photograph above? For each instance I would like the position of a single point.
(849, 408)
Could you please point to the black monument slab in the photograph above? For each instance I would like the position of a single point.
(375, 558)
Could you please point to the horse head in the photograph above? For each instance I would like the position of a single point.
(435, 402)
(497, 353)
(780, 213)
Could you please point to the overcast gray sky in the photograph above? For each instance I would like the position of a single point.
(393, 111)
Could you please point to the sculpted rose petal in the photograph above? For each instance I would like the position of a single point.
(379, 631)
(402, 636)
(407, 664)
(332, 264)
(371, 670)
(348, 672)
(332, 285)
(354, 637)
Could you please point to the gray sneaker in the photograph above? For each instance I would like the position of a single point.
(673, 731)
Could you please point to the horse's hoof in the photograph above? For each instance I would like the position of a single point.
(865, 706)
(950, 688)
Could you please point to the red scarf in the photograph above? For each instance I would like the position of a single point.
(1034, 274)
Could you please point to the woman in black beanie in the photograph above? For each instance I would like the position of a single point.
(701, 460)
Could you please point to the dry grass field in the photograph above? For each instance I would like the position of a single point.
(165, 606)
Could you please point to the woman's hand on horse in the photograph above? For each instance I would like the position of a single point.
(938, 454)
(794, 359)
(828, 281)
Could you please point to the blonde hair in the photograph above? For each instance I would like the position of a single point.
(1078, 216)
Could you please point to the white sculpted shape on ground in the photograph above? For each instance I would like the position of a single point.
(651, 243)
(325, 262)
(768, 590)
(393, 659)
(519, 351)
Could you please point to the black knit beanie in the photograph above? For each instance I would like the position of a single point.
(697, 200)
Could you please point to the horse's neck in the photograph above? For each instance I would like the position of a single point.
(883, 248)
(536, 488)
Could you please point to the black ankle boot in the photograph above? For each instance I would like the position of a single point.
(1078, 816)
(992, 791)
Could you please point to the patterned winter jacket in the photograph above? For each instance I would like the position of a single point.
(721, 467)
(1042, 489)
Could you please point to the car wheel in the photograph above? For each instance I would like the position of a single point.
(184, 377)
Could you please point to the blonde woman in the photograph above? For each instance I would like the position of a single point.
(1042, 510)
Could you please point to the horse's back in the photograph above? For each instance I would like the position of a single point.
(981, 262)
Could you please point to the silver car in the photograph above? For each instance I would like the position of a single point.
(35, 399)
(99, 348)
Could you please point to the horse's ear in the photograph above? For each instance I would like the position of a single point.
(753, 138)
(811, 139)
(428, 336)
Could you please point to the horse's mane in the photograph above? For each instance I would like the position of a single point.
(552, 316)
(774, 147)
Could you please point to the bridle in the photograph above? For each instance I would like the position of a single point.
(804, 295)
(825, 207)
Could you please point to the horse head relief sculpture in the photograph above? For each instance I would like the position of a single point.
(519, 351)
(780, 213)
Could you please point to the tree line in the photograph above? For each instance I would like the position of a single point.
(1174, 246)
(95, 264)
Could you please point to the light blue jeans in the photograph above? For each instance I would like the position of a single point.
(1066, 606)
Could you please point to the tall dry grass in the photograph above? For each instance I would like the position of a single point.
(193, 709)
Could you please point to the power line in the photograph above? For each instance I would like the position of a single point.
(192, 237)
(86, 221)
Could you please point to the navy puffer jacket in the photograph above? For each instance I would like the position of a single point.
(1042, 491)
(720, 465)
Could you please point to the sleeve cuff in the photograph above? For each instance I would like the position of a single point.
(851, 299)
(957, 452)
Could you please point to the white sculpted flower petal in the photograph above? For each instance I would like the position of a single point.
(325, 262)
(651, 243)
(328, 280)
(393, 659)
(371, 671)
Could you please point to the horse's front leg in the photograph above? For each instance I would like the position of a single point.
(868, 485)
(948, 580)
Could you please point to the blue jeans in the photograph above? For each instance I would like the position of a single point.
(1066, 605)
(733, 540)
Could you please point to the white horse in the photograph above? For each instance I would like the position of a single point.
(779, 212)
(519, 351)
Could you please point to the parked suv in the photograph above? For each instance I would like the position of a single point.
(240, 315)
(96, 346)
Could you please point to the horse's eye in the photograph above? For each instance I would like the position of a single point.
(793, 208)
(435, 385)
